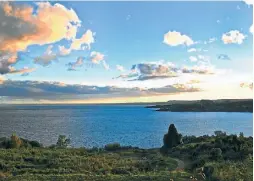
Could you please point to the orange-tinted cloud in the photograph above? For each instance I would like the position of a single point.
(96, 57)
(49, 24)
(77, 43)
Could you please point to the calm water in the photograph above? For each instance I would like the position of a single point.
(97, 125)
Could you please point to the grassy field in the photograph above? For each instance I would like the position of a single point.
(82, 164)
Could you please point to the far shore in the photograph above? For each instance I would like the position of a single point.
(220, 105)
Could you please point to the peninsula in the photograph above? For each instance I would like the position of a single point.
(221, 105)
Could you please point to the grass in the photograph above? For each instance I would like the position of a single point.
(83, 164)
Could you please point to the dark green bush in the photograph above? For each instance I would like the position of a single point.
(112, 147)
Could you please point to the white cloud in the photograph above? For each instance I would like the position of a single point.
(105, 65)
(233, 36)
(174, 38)
(78, 44)
(193, 58)
(218, 21)
(63, 51)
(249, 2)
(192, 50)
(120, 68)
(211, 40)
(251, 29)
(87, 38)
(202, 57)
(201, 69)
(96, 57)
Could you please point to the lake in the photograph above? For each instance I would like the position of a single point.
(97, 125)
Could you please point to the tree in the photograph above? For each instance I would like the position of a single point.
(62, 141)
(172, 138)
(15, 142)
(216, 153)
(219, 133)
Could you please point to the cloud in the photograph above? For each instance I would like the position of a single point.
(193, 58)
(41, 25)
(223, 57)
(193, 81)
(218, 21)
(173, 38)
(77, 44)
(45, 23)
(129, 75)
(246, 85)
(120, 68)
(203, 60)
(96, 57)
(161, 70)
(105, 65)
(128, 17)
(153, 70)
(6, 62)
(47, 58)
(251, 29)
(211, 40)
(192, 50)
(201, 69)
(87, 38)
(249, 2)
(63, 51)
(174, 89)
(24, 71)
(2, 79)
(233, 36)
(37, 90)
(78, 63)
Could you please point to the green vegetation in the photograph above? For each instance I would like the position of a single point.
(207, 106)
(219, 157)
(172, 138)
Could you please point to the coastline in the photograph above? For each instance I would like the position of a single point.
(245, 105)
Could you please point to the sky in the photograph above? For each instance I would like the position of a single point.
(119, 52)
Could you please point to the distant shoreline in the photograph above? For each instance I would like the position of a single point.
(123, 103)
(220, 105)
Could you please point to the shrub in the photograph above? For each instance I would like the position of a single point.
(195, 164)
(120, 171)
(216, 153)
(35, 144)
(15, 142)
(63, 141)
(112, 147)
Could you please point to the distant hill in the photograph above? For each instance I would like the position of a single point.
(220, 105)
